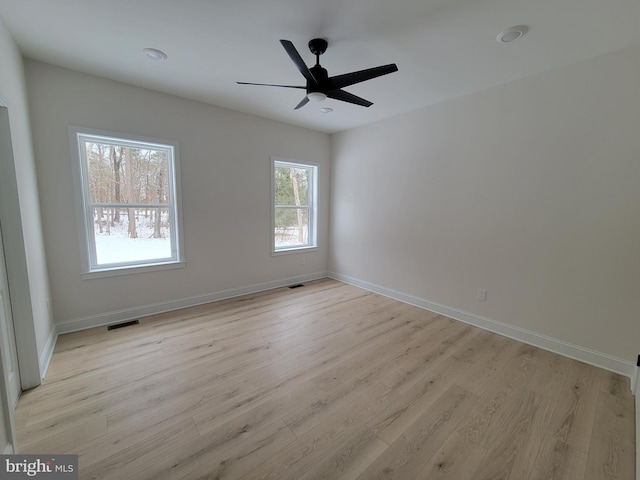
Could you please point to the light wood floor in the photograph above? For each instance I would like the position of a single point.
(326, 381)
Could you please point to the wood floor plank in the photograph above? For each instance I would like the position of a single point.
(104, 400)
(361, 367)
(490, 365)
(485, 421)
(558, 461)
(316, 444)
(222, 455)
(66, 439)
(137, 461)
(392, 422)
(405, 457)
(617, 385)
(507, 439)
(326, 381)
(139, 438)
(214, 399)
(324, 406)
(612, 446)
(551, 374)
(457, 459)
(275, 408)
(349, 459)
(412, 368)
(574, 414)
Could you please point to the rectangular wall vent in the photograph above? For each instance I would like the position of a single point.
(122, 325)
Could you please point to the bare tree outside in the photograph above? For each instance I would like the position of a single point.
(116, 162)
(293, 173)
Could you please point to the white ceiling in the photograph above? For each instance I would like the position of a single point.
(443, 48)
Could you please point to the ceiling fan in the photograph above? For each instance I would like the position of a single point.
(319, 84)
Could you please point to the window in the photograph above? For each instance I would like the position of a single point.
(128, 193)
(294, 202)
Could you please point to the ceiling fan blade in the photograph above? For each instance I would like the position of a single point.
(341, 81)
(348, 97)
(270, 85)
(297, 59)
(302, 103)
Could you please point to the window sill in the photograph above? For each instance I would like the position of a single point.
(131, 270)
(294, 250)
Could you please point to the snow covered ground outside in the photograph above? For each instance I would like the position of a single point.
(121, 248)
(116, 247)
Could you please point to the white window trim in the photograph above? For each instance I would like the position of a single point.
(313, 222)
(85, 229)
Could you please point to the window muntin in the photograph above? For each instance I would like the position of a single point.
(130, 201)
(294, 187)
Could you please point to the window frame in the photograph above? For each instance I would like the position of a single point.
(90, 267)
(312, 195)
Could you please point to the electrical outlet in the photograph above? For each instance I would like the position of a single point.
(482, 294)
(303, 260)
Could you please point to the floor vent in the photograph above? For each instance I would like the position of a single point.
(296, 286)
(122, 325)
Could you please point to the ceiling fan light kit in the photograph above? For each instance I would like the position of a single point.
(316, 96)
(320, 85)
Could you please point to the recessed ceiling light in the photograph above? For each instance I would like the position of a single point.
(155, 54)
(326, 109)
(512, 34)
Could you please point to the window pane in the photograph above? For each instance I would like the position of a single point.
(130, 197)
(291, 227)
(124, 235)
(292, 185)
(124, 174)
(293, 204)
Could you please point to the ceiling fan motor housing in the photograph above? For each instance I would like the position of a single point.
(322, 80)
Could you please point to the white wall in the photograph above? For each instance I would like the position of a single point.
(20, 217)
(530, 190)
(225, 169)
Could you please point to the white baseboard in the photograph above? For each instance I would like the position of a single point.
(117, 316)
(8, 449)
(592, 357)
(47, 352)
